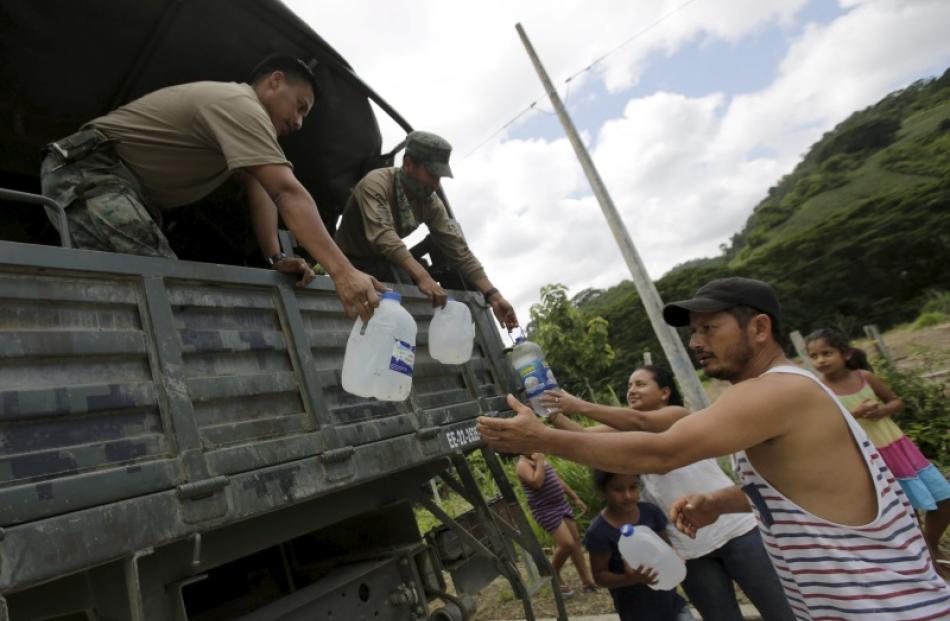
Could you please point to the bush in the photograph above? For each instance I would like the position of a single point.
(926, 320)
(937, 302)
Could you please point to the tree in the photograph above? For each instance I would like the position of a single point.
(576, 349)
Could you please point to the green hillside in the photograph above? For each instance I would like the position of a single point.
(857, 233)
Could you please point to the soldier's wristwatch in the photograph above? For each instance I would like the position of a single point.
(277, 258)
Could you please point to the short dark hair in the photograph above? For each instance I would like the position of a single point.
(744, 314)
(291, 66)
(601, 478)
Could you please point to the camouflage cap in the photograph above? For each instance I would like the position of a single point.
(430, 150)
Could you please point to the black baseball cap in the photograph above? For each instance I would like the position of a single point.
(722, 294)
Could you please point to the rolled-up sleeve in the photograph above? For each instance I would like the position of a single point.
(378, 225)
(448, 237)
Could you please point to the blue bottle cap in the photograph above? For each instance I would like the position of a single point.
(392, 295)
(519, 340)
(626, 530)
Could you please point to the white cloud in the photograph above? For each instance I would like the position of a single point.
(684, 172)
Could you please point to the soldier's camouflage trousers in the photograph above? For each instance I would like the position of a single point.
(104, 203)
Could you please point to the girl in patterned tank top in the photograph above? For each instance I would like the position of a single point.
(547, 497)
(845, 370)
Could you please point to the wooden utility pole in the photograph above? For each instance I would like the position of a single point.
(668, 337)
(798, 341)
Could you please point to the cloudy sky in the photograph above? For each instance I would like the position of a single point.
(698, 107)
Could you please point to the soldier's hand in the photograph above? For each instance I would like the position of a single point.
(357, 291)
(504, 312)
(434, 291)
(296, 265)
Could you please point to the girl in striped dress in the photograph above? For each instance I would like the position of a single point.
(546, 493)
(845, 371)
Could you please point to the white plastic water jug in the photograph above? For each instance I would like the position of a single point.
(451, 333)
(379, 359)
(528, 361)
(641, 546)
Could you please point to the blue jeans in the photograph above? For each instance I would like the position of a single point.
(708, 582)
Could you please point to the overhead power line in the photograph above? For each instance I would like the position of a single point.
(589, 66)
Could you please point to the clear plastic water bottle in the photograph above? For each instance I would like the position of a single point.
(528, 361)
(641, 546)
(451, 333)
(380, 357)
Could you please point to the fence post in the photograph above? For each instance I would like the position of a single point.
(875, 335)
(647, 358)
(799, 343)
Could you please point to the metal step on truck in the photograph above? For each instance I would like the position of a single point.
(174, 441)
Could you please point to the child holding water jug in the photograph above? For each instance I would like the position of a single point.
(634, 599)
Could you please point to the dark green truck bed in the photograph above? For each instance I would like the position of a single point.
(174, 442)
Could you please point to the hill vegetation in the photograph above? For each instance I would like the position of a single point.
(857, 233)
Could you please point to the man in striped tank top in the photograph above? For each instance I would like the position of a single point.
(837, 527)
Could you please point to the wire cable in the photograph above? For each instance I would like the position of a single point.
(590, 66)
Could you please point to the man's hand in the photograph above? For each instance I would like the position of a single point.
(503, 312)
(692, 512)
(296, 265)
(519, 434)
(433, 290)
(357, 292)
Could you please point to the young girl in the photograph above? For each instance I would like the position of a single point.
(633, 598)
(845, 371)
(546, 493)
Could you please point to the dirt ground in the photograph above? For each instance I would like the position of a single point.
(910, 349)
(917, 349)
(496, 601)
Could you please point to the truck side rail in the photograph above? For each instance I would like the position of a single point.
(200, 394)
(37, 199)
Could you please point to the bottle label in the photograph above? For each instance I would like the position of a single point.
(536, 377)
(403, 358)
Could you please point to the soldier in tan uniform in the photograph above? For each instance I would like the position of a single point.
(122, 171)
(390, 203)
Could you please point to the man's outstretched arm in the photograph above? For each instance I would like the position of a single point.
(734, 422)
(264, 222)
(357, 291)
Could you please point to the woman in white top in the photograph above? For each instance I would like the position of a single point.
(729, 550)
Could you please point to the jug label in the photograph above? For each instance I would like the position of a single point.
(536, 378)
(404, 356)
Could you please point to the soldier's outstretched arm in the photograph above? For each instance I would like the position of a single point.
(264, 222)
(357, 291)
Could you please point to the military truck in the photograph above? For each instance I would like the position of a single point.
(174, 441)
